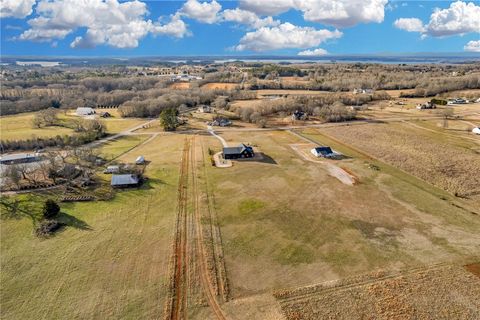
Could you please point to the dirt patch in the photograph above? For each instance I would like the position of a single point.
(180, 85)
(474, 268)
(220, 86)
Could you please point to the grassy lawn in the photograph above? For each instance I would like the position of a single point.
(110, 262)
(113, 149)
(288, 223)
(19, 126)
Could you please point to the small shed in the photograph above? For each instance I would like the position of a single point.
(323, 151)
(112, 169)
(205, 109)
(242, 151)
(476, 130)
(140, 160)
(125, 181)
(84, 111)
(105, 115)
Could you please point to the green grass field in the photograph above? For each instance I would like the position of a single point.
(19, 126)
(110, 262)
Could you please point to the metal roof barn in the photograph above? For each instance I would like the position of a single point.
(125, 180)
(84, 111)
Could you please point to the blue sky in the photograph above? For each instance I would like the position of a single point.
(283, 27)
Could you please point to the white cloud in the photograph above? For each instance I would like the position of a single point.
(409, 24)
(268, 7)
(458, 19)
(16, 8)
(315, 52)
(175, 28)
(248, 18)
(120, 25)
(285, 36)
(472, 46)
(205, 12)
(342, 13)
(338, 13)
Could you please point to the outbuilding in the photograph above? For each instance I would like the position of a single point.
(112, 169)
(85, 111)
(323, 151)
(20, 158)
(476, 130)
(140, 160)
(125, 181)
(242, 151)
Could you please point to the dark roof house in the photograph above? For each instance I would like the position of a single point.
(242, 151)
(125, 180)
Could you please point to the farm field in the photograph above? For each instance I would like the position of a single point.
(20, 126)
(111, 261)
(115, 148)
(220, 85)
(425, 154)
(287, 223)
(436, 292)
(267, 92)
(180, 85)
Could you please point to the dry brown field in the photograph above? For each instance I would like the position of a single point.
(180, 85)
(447, 161)
(220, 85)
(437, 292)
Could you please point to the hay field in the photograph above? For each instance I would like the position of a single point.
(180, 85)
(445, 161)
(267, 92)
(437, 292)
(109, 263)
(286, 222)
(220, 85)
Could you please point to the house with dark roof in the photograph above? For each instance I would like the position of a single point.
(125, 181)
(242, 151)
(323, 151)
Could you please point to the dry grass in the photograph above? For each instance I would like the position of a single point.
(112, 261)
(425, 154)
(286, 222)
(180, 85)
(439, 292)
(220, 85)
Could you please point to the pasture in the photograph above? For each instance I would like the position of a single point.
(286, 222)
(20, 126)
(111, 259)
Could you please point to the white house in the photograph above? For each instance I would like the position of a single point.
(85, 111)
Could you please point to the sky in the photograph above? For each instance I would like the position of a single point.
(244, 27)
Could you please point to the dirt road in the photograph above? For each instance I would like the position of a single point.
(189, 267)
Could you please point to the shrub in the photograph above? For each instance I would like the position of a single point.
(50, 209)
(47, 227)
